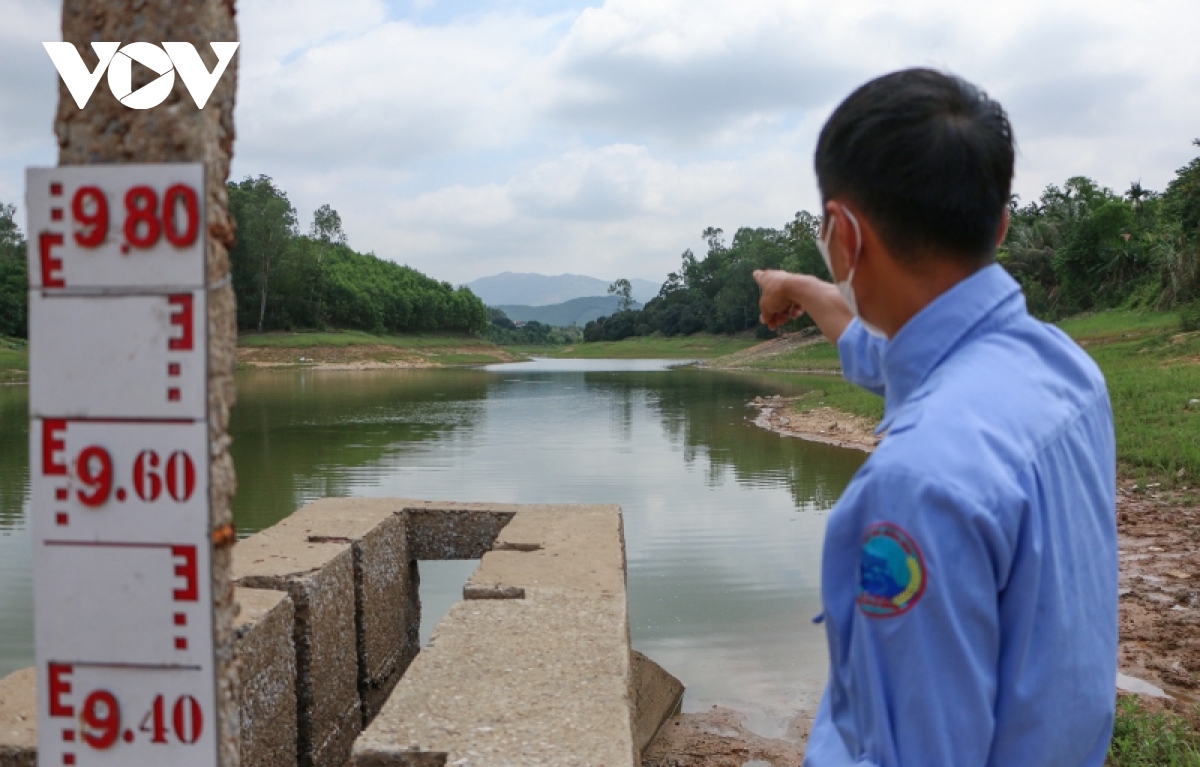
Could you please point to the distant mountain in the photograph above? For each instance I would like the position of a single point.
(510, 289)
(577, 311)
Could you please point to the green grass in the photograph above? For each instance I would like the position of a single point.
(817, 356)
(834, 392)
(343, 338)
(14, 359)
(699, 346)
(1151, 739)
(1152, 370)
(1107, 325)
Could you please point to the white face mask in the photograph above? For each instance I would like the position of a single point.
(844, 287)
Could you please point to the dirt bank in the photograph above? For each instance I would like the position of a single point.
(766, 355)
(369, 356)
(822, 424)
(719, 738)
(1159, 536)
(1160, 588)
(1159, 609)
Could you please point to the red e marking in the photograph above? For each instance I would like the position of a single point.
(51, 266)
(52, 443)
(60, 686)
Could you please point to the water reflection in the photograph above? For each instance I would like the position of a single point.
(298, 436)
(706, 413)
(723, 521)
(14, 455)
(16, 576)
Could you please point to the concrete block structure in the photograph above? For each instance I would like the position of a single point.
(386, 586)
(319, 578)
(656, 697)
(18, 719)
(535, 668)
(448, 530)
(266, 658)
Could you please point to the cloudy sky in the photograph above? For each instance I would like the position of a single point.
(600, 138)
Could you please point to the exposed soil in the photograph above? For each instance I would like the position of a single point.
(822, 424)
(1160, 589)
(719, 738)
(361, 356)
(1159, 611)
(773, 348)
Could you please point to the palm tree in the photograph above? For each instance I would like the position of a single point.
(1136, 194)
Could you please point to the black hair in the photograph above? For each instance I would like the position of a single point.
(928, 157)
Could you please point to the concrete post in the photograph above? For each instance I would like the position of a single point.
(176, 131)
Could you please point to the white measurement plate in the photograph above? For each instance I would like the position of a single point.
(116, 227)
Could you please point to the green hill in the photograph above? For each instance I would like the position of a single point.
(577, 311)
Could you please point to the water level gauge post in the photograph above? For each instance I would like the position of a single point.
(120, 466)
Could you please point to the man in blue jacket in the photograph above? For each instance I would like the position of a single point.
(969, 575)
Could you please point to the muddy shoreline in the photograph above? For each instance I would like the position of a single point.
(1159, 609)
(370, 357)
(1159, 539)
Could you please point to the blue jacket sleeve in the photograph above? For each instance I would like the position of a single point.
(913, 623)
(862, 357)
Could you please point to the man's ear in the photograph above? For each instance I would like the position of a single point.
(1004, 222)
(846, 242)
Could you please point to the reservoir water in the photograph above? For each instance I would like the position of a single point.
(723, 520)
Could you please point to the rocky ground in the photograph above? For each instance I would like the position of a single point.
(1160, 590)
(368, 356)
(1159, 533)
(767, 350)
(822, 424)
(720, 738)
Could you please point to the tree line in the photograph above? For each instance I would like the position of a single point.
(501, 330)
(1082, 246)
(14, 287)
(1079, 247)
(717, 293)
(285, 280)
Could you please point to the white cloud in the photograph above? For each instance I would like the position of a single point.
(393, 93)
(28, 91)
(615, 209)
(276, 31)
(548, 137)
(692, 70)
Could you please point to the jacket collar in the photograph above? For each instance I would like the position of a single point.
(937, 330)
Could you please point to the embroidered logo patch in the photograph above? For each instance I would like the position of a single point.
(893, 572)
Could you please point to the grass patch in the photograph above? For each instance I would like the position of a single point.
(1101, 326)
(14, 359)
(698, 346)
(1144, 738)
(816, 356)
(343, 338)
(1153, 371)
(835, 392)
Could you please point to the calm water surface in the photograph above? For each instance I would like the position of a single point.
(723, 521)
